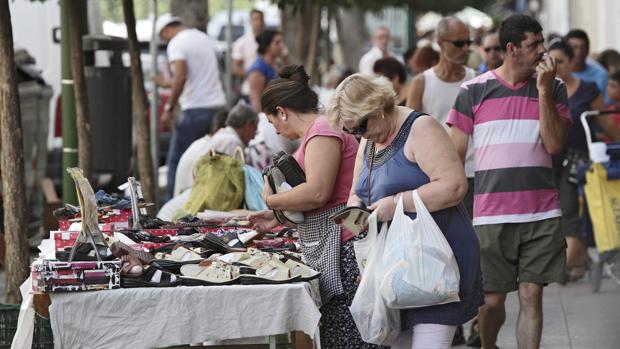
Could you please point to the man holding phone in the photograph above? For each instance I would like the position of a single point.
(516, 116)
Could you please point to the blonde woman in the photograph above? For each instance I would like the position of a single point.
(403, 150)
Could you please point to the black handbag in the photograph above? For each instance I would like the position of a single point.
(285, 169)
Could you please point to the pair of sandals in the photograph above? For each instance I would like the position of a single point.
(138, 269)
(250, 267)
(161, 270)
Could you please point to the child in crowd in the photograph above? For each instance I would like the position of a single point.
(613, 93)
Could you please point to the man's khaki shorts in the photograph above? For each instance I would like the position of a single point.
(511, 253)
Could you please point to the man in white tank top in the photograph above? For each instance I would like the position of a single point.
(435, 90)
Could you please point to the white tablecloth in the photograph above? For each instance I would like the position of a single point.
(160, 317)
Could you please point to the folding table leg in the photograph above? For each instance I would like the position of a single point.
(272, 342)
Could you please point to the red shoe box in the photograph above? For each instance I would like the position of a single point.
(120, 218)
(57, 276)
(64, 239)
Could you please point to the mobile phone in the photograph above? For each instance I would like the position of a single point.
(352, 218)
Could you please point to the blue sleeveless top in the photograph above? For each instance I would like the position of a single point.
(264, 68)
(393, 173)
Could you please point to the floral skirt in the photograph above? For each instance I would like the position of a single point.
(338, 330)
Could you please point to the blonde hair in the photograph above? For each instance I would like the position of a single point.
(359, 95)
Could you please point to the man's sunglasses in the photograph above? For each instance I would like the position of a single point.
(461, 43)
(492, 48)
(358, 130)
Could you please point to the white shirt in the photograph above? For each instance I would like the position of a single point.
(369, 58)
(203, 88)
(266, 143)
(245, 49)
(438, 99)
(224, 141)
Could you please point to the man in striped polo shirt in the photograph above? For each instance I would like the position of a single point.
(516, 116)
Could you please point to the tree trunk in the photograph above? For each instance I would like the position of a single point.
(139, 103)
(352, 35)
(301, 25)
(79, 88)
(11, 142)
(313, 45)
(194, 13)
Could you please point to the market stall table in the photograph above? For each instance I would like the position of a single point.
(161, 317)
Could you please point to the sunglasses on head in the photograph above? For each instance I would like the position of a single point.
(492, 48)
(358, 130)
(461, 43)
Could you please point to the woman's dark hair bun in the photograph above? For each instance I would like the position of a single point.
(295, 73)
(291, 90)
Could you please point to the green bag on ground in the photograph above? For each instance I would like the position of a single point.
(218, 184)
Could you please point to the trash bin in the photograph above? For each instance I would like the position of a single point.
(109, 101)
(34, 97)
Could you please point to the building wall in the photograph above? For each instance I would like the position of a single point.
(599, 18)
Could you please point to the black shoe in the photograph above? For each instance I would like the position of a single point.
(459, 337)
(474, 338)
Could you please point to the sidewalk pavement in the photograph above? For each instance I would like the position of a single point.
(574, 317)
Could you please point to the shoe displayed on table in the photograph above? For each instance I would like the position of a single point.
(152, 276)
(253, 258)
(139, 236)
(273, 272)
(212, 273)
(218, 245)
(180, 254)
(66, 212)
(114, 201)
(85, 252)
(305, 273)
(148, 222)
(120, 249)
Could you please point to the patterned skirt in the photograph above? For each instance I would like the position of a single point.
(338, 330)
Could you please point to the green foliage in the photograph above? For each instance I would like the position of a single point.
(112, 10)
(441, 6)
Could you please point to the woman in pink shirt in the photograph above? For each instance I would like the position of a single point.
(328, 158)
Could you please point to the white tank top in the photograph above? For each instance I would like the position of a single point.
(438, 99)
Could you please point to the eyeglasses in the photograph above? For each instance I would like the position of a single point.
(492, 48)
(461, 43)
(358, 130)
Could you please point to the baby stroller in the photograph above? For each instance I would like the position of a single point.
(602, 195)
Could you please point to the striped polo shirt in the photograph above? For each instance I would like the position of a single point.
(513, 181)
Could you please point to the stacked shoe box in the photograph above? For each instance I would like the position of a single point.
(58, 276)
(120, 218)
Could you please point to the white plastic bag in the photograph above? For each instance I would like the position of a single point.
(376, 323)
(363, 247)
(419, 266)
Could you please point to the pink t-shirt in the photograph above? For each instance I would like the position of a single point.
(348, 149)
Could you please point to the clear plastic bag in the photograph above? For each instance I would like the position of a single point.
(419, 266)
(376, 323)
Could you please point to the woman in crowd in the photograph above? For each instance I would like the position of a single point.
(327, 158)
(610, 60)
(403, 150)
(582, 96)
(392, 69)
(424, 58)
(263, 70)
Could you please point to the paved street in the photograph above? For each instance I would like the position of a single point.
(575, 317)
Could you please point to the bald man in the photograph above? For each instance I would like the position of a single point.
(434, 91)
(380, 49)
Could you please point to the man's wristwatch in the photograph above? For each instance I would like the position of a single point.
(168, 107)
